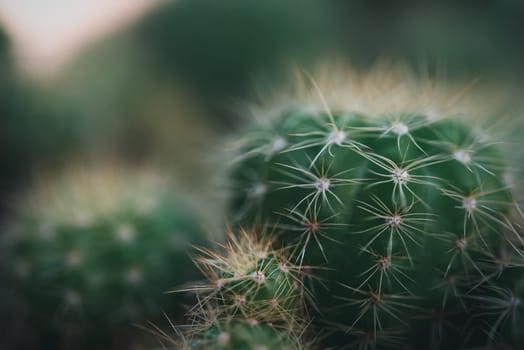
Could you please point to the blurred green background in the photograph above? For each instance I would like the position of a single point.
(165, 87)
(163, 90)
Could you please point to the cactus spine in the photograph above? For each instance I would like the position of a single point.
(408, 214)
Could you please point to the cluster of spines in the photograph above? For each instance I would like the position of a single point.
(326, 179)
(252, 297)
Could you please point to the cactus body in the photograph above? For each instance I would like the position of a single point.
(405, 212)
(238, 335)
(497, 306)
(96, 251)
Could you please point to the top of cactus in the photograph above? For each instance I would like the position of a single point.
(81, 195)
(386, 88)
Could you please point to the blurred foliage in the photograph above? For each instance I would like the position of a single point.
(217, 47)
(129, 103)
(468, 38)
(33, 131)
(164, 87)
(4, 47)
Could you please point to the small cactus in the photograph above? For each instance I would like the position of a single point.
(252, 298)
(95, 251)
(252, 280)
(406, 212)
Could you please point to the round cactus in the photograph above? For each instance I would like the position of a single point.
(252, 298)
(94, 251)
(406, 211)
(250, 280)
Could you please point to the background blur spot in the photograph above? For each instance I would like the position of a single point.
(46, 33)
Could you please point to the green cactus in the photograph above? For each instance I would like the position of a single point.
(95, 251)
(405, 212)
(238, 335)
(231, 333)
(251, 299)
(249, 280)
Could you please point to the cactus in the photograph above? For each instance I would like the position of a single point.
(237, 335)
(406, 211)
(95, 251)
(251, 280)
(233, 334)
(252, 298)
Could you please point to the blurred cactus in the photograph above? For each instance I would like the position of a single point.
(406, 209)
(239, 42)
(95, 251)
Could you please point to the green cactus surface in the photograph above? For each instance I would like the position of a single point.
(406, 216)
(94, 251)
(239, 335)
(252, 297)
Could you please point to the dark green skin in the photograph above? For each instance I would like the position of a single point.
(242, 336)
(261, 299)
(109, 300)
(424, 304)
(500, 304)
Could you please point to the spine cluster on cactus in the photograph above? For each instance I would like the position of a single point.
(406, 213)
(95, 250)
(253, 280)
(252, 297)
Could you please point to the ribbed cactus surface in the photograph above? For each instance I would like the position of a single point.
(405, 214)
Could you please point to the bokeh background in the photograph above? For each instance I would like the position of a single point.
(159, 80)
(155, 83)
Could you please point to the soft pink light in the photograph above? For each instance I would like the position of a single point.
(45, 33)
